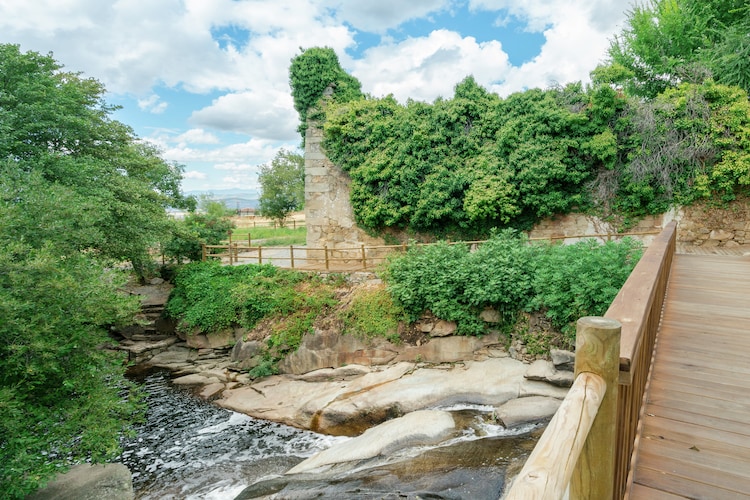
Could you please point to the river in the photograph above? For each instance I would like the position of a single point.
(190, 449)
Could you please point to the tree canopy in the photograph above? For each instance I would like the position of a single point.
(668, 42)
(80, 195)
(282, 184)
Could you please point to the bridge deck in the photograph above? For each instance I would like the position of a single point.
(695, 440)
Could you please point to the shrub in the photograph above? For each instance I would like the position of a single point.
(373, 313)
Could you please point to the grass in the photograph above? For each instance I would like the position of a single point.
(268, 236)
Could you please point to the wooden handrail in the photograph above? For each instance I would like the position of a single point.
(576, 451)
(637, 308)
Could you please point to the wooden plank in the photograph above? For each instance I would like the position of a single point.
(695, 438)
(640, 492)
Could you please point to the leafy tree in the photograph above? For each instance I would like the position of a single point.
(310, 74)
(282, 184)
(667, 42)
(56, 124)
(78, 194)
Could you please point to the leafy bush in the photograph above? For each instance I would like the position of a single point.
(510, 275)
(373, 313)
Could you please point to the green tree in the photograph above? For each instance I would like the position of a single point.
(282, 184)
(667, 42)
(56, 123)
(312, 72)
(79, 194)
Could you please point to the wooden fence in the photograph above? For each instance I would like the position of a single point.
(589, 446)
(360, 258)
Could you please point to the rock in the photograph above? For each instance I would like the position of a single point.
(426, 326)
(720, 235)
(333, 374)
(212, 390)
(526, 410)
(540, 370)
(732, 244)
(490, 315)
(417, 428)
(89, 482)
(155, 281)
(246, 349)
(443, 328)
(447, 349)
(195, 379)
(563, 360)
(224, 338)
(332, 350)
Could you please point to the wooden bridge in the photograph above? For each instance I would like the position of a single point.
(676, 424)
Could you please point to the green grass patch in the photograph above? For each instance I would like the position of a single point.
(268, 236)
(373, 313)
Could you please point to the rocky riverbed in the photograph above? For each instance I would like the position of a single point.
(388, 397)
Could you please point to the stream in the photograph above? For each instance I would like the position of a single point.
(190, 449)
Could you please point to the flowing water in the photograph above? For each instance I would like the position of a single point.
(191, 449)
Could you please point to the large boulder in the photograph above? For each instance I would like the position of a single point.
(328, 349)
(89, 482)
(418, 428)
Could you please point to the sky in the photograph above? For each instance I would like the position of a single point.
(207, 81)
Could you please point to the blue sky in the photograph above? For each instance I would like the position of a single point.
(207, 80)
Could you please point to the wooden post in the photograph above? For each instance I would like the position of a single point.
(598, 351)
(203, 251)
(291, 255)
(325, 252)
(229, 247)
(249, 240)
(260, 255)
(364, 258)
(294, 223)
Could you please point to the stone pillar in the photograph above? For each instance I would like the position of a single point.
(328, 210)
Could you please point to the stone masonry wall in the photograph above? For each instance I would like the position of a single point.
(328, 211)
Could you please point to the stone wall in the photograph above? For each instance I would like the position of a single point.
(328, 211)
(700, 225)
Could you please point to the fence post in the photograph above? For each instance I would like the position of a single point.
(364, 258)
(598, 351)
(325, 252)
(249, 240)
(203, 252)
(229, 247)
(260, 255)
(291, 255)
(294, 223)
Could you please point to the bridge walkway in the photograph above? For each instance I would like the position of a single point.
(695, 436)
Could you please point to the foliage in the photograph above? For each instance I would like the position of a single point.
(209, 297)
(282, 185)
(270, 236)
(62, 396)
(510, 275)
(195, 230)
(582, 279)
(668, 42)
(310, 74)
(56, 131)
(373, 313)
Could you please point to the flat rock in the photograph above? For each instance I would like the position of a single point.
(195, 379)
(418, 428)
(89, 482)
(525, 410)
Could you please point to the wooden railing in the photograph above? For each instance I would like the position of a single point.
(359, 258)
(588, 447)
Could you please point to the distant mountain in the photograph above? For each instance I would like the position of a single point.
(233, 198)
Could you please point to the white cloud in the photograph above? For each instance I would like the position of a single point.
(194, 174)
(153, 104)
(196, 136)
(265, 113)
(428, 67)
(236, 167)
(378, 16)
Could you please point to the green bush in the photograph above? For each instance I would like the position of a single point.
(373, 313)
(511, 275)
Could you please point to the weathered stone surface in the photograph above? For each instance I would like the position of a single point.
(721, 235)
(443, 328)
(417, 428)
(224, 338)
(332, 350)
(540, 370)
(243, 350)
(490, 315)
(212, 390)
(525, 410)
(447, 349)
(195, 379)
(563, 360)
(89, 482)
(331, 374)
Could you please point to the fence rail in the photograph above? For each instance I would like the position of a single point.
(614, 430)
(360, 258)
